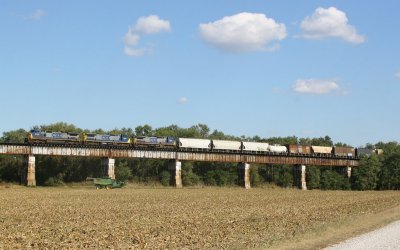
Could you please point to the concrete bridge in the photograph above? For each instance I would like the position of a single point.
(109, 153)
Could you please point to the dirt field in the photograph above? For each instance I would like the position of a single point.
(175, 218)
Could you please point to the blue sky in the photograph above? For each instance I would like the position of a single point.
(267, 68)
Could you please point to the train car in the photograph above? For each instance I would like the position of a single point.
(299, 149)
(152, 141)
(105, 139)
(197, 144)
(344, 151)
(37, 136)
(255, 146)
(322, 150)
(225, 145)
(277, 148)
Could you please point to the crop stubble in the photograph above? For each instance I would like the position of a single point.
(173, 218)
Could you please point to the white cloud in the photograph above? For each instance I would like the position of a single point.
(243, 32)
(315, 86)
(329, 22)
(144, 26)
(183, 100)
(397, 74)
(130, 51)
(131, 38)
(151, 24)
(37, 15)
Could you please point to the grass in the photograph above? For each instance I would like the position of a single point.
(201, 218)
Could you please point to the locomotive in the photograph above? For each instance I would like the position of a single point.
(188, 144)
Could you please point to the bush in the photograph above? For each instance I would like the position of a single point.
(255, 177)
(165, 178)
(123, 172)
(331, 180)
(190, 179)
(313, 177)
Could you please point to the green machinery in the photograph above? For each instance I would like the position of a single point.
(106, 182)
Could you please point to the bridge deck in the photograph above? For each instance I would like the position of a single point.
(172, 154)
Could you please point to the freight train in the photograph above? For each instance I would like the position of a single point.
(189, 144)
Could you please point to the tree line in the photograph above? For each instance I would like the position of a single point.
(376, 172)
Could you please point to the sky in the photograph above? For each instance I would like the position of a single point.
(267, 68)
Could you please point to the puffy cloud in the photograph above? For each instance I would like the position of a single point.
(243, 32)
(315, 86)
(144, 26)
(37, 15)
(183, 100)
(329, 22)
(151, 24)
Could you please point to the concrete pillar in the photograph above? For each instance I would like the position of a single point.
(348, 172)
(244, 175)
(300, 177)
(176, 169)
(30, 171)
(109, 167)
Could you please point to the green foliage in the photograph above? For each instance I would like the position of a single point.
(365, 177)
(60, 127)
(123, 172)
(285, 176)
(331, 180)
(188, 177)
(390, 173)
(165, 178)
(54, 181)
(255, 177)
(313, 177)
(145, 130)
(15, 136)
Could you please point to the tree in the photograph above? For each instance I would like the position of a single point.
(389, 177)
(15, 136)
(331, 180)
(145, 130)
(313, 177)
(122, 171)
(365, 176)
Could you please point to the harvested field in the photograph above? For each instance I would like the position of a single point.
(174, 218)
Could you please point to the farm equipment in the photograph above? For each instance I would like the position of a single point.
(106, 183)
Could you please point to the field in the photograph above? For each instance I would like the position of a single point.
(198, 218)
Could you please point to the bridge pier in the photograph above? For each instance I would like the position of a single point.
(347, 171)
(244, 175)
(176, 172)
(108, 167)
(30, 180)
(300, 177)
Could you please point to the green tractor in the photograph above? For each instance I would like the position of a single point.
(106, 183)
